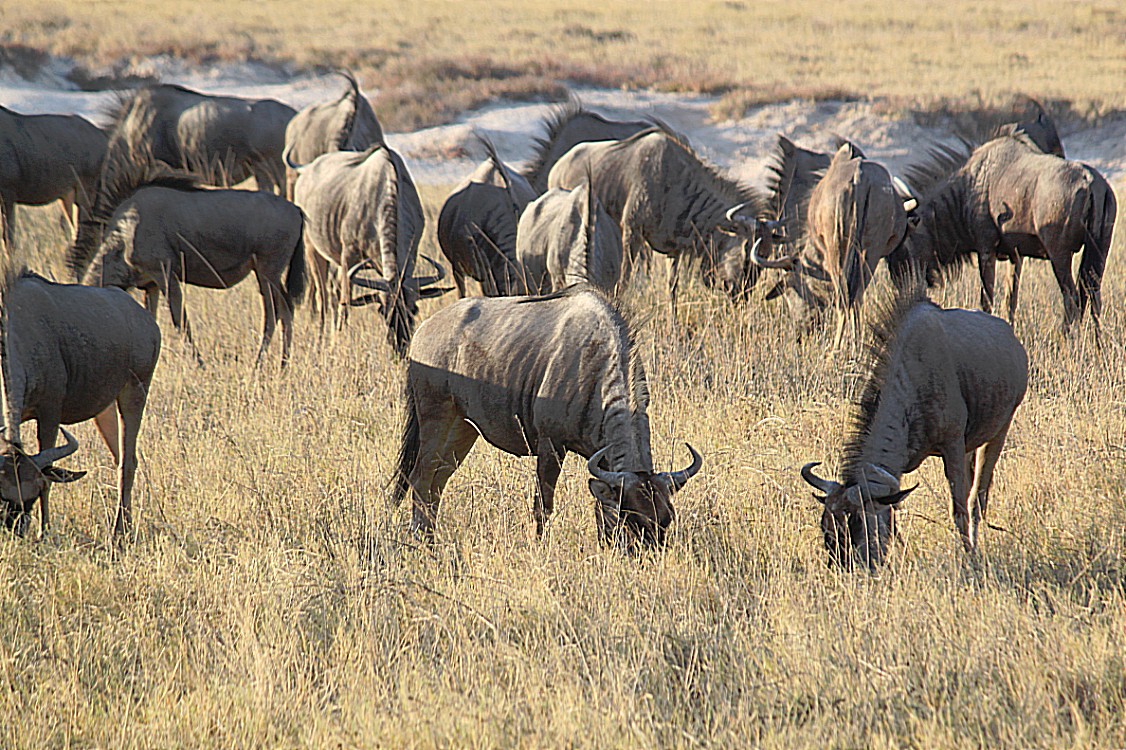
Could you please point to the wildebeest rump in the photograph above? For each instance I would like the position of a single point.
(536, 376)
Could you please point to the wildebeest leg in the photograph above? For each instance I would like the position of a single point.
(152, 299)
(47, 432)
(1061, 266)
(107, 423)
(284, 305)
(987, 456)
(954, 465)
(270, 315)
(987, 268)
(549, 462)
(674, 282)
(459, 281)
(7, 217)
(130, 406)
(1014, 290)
(318, 289)
(67, 221)
(445, 438)
(176, 307)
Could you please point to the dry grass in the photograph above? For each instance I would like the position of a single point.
(914, 51)
(273, 599)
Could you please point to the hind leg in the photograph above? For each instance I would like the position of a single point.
(987, 456)
(270, 314)
(130, 407)
(445, 439)
(1061, 267)
(954, 465)
(284, 307)
(173, 293)
(7, 217)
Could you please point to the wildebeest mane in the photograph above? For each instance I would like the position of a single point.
(884, 331)
(554, 123)
(940, 161)
(783, 180)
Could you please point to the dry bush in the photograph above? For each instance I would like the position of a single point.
(274, 599)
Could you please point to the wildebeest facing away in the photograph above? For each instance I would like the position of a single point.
(69, 353)
(154, 230)
(348, 123)
(45, 158)
(565, 237)
(222, 139)
(536, 376)
(943, 383)
(666, 199)
(570, 125)
(477, 226)
(1009, 199)
(363, 210)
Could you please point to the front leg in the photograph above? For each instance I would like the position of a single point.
(987, 268)
(47, 432)
(175, 297)
(1015, 289)
(549, 462)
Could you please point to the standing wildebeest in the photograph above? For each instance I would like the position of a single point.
(943, 383)
(70, 353)
(1009, 199)
(477, 226)
(154, 230)
(45, 158)
(347, 123)
(363, 210)
(536, 376)
(665, 198)
(223, 139)
(568, 126)
(565, 237)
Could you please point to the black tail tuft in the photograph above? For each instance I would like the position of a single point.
(408, 451)
(295, 278)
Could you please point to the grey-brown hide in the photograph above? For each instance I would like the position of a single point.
(477, 226)
(1011, 200)
(347, 123)
(45, 158)
(568, 126)
(222, 139)
(565, 237)
(161, 230)
(666, 199)
(363, 208)
(943, 383)
(539, 376)
(70, 353)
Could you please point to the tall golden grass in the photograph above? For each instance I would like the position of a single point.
(274, 599)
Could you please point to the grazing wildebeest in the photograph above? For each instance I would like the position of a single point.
(536, 376)
(477, 226)
(222, 139)
(565, 237)
(569, 125)
(69, 353)
(154, 230)
(665, 198)
(347, 123)
(1009, 199)
(363, 211)
(943, 383)
(47, 158)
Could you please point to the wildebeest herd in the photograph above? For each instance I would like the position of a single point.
(544, 363)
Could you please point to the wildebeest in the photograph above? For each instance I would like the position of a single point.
(363, 210)
(664, 197)
(156, 229)
(569, 125)
(565, 237)
(477, 226)
(69, 353)
(45, 158)
(943, 383)
(1010, 199)
(536, 376)
(851, 218)
(222, 139)
(348, 123)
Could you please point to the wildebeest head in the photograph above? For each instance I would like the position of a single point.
(636, 506)
(858, 519)
(24, 478)
(740, 238)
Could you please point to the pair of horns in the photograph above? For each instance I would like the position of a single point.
(878, 485)
(381, 285)
(675, 479)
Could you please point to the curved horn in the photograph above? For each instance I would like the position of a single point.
(732, 213)
(428, 280)
(784, 263)
(825, 485)
(613, 478)
(43, 459)
(679, 478)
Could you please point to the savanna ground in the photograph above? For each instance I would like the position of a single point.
(274, 599)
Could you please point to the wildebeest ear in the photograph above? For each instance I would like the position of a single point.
(431, 291)
(776, 290)
(61, 475)
(818, 498)
(893, 500)
(603, 492)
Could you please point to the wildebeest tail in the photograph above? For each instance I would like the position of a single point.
(295, 277)
(1102, 208)
(854, 256)
(408, 451)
